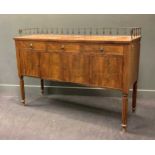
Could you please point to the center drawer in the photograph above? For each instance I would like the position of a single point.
(66, 47)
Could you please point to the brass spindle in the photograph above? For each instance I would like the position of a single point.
(125, 31)
(90, 31)
(72, 30)
(57, 30)
(78, 30)
(97, 31)
(84, 30)
(110, 32)
(51, 30)
(46, 31)
(103, 31)
(20, 31)
(67, 31)
(131, 33)
(61, 30)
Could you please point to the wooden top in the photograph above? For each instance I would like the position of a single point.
(75, 38)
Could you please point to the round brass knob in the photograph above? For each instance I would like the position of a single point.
(101, 49)
(31, 45)
(62, 46)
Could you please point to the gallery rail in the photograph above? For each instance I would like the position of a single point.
(130, 31)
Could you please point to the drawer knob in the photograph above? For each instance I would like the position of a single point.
(62, 46)
(101, 49)
(31, 45)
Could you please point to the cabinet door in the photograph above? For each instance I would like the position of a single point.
(51, 66)
(106, 70)
(76, 67)
(65, 66)
(30, 63)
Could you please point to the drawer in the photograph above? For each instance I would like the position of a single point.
(66, 47)
(35, 45)
(103, 48)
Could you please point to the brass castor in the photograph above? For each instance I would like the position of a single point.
(124, 128)
(133, 110)
(23, 102)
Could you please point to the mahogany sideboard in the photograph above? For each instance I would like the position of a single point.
(105, 61)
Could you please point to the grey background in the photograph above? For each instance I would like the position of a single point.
(9, 25)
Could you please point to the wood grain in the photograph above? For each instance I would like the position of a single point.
(64, 47)
(106, 71)
(78, 38)
(29, 63)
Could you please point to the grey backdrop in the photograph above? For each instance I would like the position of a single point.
(9, 25)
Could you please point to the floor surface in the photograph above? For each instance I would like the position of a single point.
(74, 117)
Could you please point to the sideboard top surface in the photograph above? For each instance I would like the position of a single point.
(81, 38)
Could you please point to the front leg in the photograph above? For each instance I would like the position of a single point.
(124, 111)
(134, 96)
(42, 86)
(22, 91)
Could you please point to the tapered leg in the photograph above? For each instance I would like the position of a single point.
(22, 90)
(42, 86)
(124, 111)
(134, 96)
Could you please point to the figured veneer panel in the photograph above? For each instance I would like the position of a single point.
(106, 71)
(29, 63)
(76, 67)
(51, 66)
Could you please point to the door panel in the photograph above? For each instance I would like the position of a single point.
(51, 66)
(76, 67)
(93, 69)
(30, 63)
(65, 66)
(106, 70)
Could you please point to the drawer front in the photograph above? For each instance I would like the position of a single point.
(66, 47)
(102, 48)
(34, 45)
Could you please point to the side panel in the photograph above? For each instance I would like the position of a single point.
(134, 55)
(126, 68)
(18, 58)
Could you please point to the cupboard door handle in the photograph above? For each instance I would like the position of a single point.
(62, 47)
(101, 49)
(31, 45)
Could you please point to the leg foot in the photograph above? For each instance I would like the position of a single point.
(133, 110)
(124, 111)
(23, 102)
(134, 96)
(42, 86)
(124, 128)
(22, 90)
